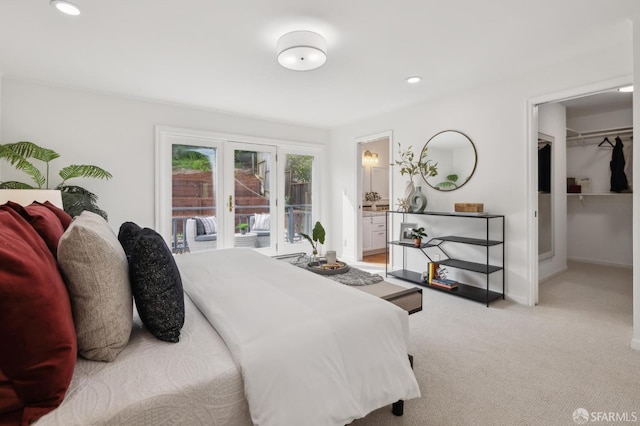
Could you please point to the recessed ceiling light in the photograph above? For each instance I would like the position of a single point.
(626, 89)
(414, 79)
(65, 7)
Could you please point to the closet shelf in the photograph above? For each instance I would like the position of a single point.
(597, 194)
(577, 138)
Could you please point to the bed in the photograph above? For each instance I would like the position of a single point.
(193, 382)
(263, 342)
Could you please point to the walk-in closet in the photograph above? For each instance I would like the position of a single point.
(585, 208)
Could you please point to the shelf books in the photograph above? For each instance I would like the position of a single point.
(444, 283)
(437, 277)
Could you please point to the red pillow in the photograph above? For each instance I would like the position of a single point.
(38, 336)
(65, 218)
(44, 221)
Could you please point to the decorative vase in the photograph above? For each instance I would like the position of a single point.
(314, 260)
(373, 206)
(408, 192)
(418, 200)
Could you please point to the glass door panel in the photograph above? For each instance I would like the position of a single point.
(298, 187)
(253, 206)
(194, 188)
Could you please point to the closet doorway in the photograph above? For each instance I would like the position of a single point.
(591, 201)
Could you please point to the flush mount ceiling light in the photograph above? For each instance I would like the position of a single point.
(414, 79)
(302, 50)
(65, 7)
(626, 89)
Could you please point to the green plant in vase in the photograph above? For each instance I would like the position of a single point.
(417, 234)
(412, 166)
(317, 237)
(243, 227)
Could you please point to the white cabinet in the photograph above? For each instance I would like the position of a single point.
(366, 233)
(374, 233)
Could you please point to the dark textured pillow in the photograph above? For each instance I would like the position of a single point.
(37, 336)
(65, 218)
(44, 221)
(127, 236)
(199, 226)
(156, 284)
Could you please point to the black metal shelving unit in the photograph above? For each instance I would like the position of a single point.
(478, 294)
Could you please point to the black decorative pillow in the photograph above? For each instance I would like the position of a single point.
(155, 283)
(127, 235)
(199, 226)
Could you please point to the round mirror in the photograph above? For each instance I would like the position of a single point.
(456, 157)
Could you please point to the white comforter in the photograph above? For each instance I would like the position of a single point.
(312, 351)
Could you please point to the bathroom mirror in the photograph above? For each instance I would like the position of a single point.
(545, 199)
(456, 157)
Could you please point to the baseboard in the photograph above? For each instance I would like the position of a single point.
(376, 251)
(551, 275)
(635, 344)
(518, 299)
(600, 262)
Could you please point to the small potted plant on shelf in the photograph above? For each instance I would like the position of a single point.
(417, 234)
(242, 227)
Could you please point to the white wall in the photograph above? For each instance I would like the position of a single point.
(552, 121)
(495, 118)
(117, 134)
(635, 342)
(598, 227)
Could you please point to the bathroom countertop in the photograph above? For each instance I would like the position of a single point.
(368, 213)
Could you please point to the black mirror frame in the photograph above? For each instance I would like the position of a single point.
(475, 163)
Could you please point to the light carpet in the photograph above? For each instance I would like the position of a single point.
(515, 365)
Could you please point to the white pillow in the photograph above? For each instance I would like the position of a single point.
(262, 222)
(210, 225)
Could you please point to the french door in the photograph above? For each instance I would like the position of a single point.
(215, 193)
(249, 191)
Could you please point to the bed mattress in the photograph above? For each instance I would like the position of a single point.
(194, 382)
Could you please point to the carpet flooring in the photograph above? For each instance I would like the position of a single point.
(516, 365)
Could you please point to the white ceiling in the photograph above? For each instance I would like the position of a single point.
(598, 103)
(221, 54)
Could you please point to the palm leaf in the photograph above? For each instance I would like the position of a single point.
(17, 160)
(76, 170)
(30, 149)
(78, 190)
(15, 185)
(76, 201)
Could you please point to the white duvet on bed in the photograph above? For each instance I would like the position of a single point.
(311, 351)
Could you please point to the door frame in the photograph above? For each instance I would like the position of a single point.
(162, 182)
(357, 223)
(531, 141)
(228, 188)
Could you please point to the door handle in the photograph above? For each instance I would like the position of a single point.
(230, 203)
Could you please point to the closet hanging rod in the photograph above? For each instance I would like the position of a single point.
(619, 131)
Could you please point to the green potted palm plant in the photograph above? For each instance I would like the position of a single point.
(75, 199)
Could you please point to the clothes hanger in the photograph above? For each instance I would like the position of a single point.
(606, 139)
